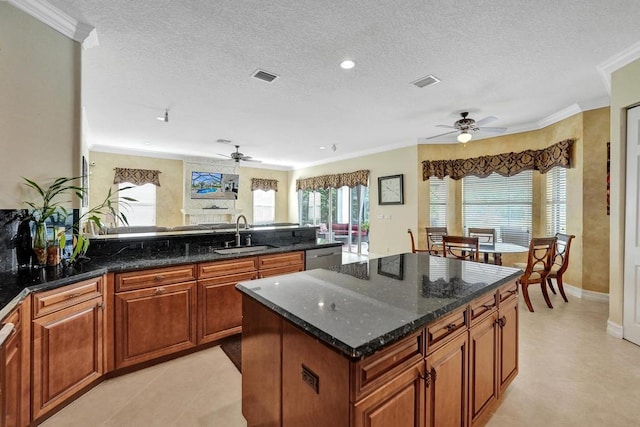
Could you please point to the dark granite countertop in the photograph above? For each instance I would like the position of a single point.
(16, 285)
(360, 308)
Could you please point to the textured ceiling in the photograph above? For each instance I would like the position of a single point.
(195, 58)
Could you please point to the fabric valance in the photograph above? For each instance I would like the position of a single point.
(137, 176)
(264, 184)
(506, 164)
(349, 179)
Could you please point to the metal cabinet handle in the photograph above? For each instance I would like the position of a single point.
(72, 296)
(488, 306)
(451, 327)
(159, 291)
(501, 321)
(160, 277)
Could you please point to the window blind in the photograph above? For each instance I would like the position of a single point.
(438, 201)
(556, 215)
(142, 211)
(264, 206)
(503, 203)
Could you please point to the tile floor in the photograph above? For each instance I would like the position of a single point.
(571, 374)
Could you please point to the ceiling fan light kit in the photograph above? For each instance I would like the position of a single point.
(464, 137)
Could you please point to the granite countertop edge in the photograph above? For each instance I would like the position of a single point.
(376, 344)
(100, 266)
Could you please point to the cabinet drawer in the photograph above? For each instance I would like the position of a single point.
(15, 317)
(281, 260)
(482, 305)
(224, 268)
(377, 370)
(508, 292)
(155, 277)
(66, 296)
(441, 331)
(269, 272)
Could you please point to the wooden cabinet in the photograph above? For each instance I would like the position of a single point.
(154, 321)
(446, 382)
(219, 304)
(67, 343)
(274, 265)
(483, 364)
(14, 368)
(507, 335)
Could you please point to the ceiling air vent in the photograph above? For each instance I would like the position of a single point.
(263, 75)
(426, 81)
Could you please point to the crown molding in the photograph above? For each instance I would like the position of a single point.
(567, 112)
(50, 15)
(616, 62)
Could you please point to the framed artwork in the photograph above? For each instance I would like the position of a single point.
(391, 190)
(392, 266)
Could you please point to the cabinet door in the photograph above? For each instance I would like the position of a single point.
(154, 322)
(399, 403)
(483, 364)
(67, 353)
(447, 384)
(220, 307)
(15, 379)
(508, 342)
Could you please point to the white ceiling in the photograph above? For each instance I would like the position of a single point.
(521, 64)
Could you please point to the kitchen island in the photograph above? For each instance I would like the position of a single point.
(404, 340)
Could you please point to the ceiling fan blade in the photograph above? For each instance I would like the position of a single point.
(442, 134)
(486, 120)
(493, 130)
(252, 160)
(445, 126)
(223, 155)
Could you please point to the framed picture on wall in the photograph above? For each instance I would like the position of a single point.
(391, 190)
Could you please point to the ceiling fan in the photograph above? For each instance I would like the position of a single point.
(467, 125)
(237, 156)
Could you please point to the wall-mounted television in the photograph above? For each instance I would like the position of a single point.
(214, 185)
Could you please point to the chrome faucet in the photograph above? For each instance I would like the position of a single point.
(238, 228)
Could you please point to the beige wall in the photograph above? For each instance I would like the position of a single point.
(39, 104)
(245, 196)
(625, 92)
(388, 224)
(169, 195)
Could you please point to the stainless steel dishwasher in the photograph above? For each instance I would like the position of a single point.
(323, 257)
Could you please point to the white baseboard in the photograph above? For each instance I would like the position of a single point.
(590, 295)
(614, 329)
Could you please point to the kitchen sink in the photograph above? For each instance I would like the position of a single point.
(243, 249)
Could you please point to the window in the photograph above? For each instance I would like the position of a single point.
(438, 201)
(503, 203)
(556, 205)
(143, 210)
(264, 206)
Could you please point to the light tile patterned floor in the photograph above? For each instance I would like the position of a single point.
(571, 374)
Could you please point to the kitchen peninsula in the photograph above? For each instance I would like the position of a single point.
(405, 340)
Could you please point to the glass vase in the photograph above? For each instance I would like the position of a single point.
(40, 245)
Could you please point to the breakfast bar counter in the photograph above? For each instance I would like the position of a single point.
(373, 342)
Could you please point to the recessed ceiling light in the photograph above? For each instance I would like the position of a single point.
(347, 64)
(147, 143)
(322, 148)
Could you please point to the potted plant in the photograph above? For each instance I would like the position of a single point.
(52, 203)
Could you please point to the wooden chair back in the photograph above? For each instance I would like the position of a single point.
(539, 262)
(413, 244)
(561, 258)
(434, 239)
(484, 235)
(460, 247)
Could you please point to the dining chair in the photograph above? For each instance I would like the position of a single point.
(486, 236)
(560, 262)
(460, 247)
(413, 244)
(434, 239)
(539, 262)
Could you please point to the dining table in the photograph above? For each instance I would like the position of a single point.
(497, 249)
